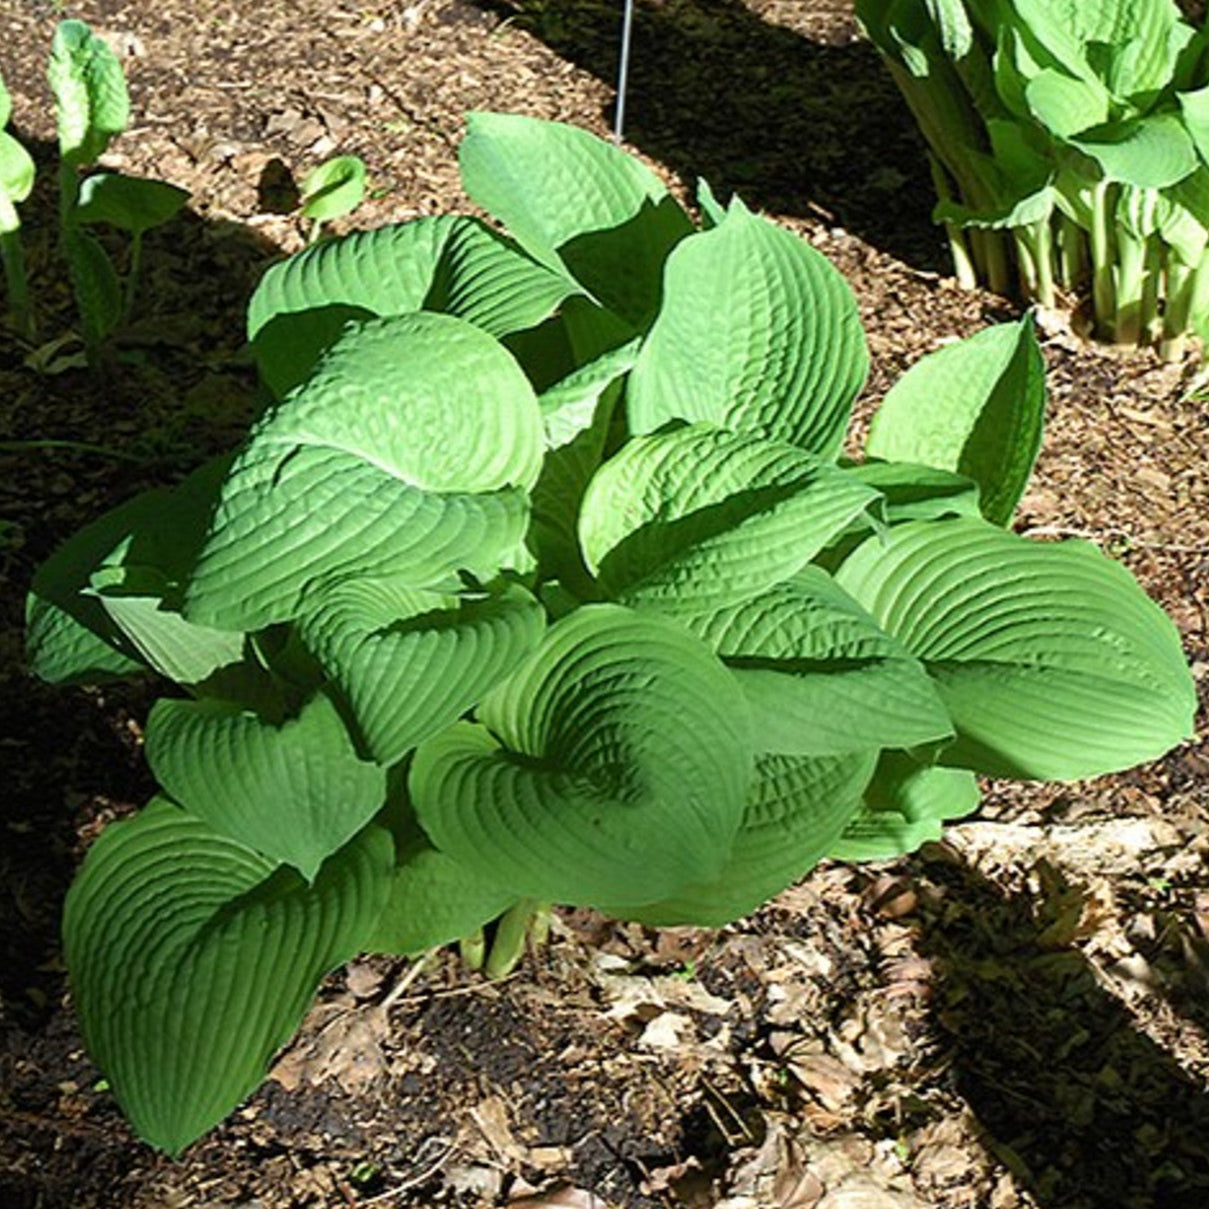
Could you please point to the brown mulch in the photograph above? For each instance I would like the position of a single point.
(1014, 1018)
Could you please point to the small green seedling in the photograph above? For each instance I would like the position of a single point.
(335, 188)
(92, 107)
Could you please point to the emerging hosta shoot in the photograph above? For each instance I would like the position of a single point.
(543, 581)
(1070, 147)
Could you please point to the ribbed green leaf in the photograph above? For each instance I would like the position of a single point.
(295, 792)
(795, 811)
(611, 767)
(904, 807)
(975, 408)
(1064, 104)
(820, 676)
(410, 662)
(90, 92)
(700, 518)
(450, 264)
(1150, 152)
(193, 959)
(78, 631)
(577, 204)
(758, 332)
(405, 454)
(1050, 659)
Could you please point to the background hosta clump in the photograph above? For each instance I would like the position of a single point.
(542, 579)
(1070, 146)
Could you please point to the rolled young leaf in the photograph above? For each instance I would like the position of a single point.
(976, 408)
(334, 188)
(905, 806)
(192, 960)
(1052, 662)
(758, 332)
(90, 92)
(611, 767)
(295, 792)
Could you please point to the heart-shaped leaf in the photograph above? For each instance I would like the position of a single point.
(611, 767)
(405, 454)
(192, 960)
(295, 792)
(578, 204)
(699, 518)
(448, 263)
(411, 662)
(975, 408)
(1050, 659)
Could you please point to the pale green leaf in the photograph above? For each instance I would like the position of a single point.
(407, 453)
(795, 811)
(699, 518)
(295, 792)
(90, 92)
(758, 332)
(410, 662)
(904, 807)
(819, 675)
(975, 408)
(611, 767)
(1052, 662)
(334, 188)
(577, 204)
(192, 960)
(1151, 152)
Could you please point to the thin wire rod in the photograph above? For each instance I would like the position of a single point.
(623, 72)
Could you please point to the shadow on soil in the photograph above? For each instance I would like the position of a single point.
(795, 126)
(1088, 1112)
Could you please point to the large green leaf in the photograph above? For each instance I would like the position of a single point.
(90, 92)
(295, 791)
(699, 518)
(1052, 662)
(905, 806)
(130, 203)
(820, 676)
(447, 263)
(796, 809)
(105, 601)
(192, 960)
(1150, 152)
(405, 454)
(758, 332)
(611, 767)
(577, 204)
(975, 408)
(410, 662)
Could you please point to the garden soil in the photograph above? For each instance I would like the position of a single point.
(1014, 1017)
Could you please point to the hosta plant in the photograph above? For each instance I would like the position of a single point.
(544, 580)
(1070, 146)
